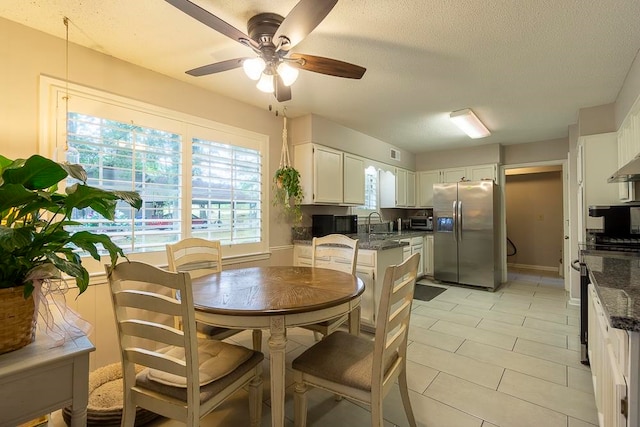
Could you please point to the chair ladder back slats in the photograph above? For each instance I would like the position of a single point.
(399, 316)
(335, 251)
(193, 251)
(153, 331)
(196, 257)
(393, 343)
(157, 360)
(391, 375)
(153, 302)
(128, 272)
(334, 254)
(392, 328)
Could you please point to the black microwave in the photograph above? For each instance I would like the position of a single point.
(321, 225)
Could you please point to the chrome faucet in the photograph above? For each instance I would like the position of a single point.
(369, 221)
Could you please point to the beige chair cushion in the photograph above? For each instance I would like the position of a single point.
(216, 359)
(340, 357)
(207, 392)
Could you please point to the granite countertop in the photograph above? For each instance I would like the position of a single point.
(616, 279)
(378, 241)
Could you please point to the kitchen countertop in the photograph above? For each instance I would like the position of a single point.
(378, 241)
(616, 279)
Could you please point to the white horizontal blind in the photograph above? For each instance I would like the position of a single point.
(130, 145)
(370, 188)
(226, 187)
(125, 156)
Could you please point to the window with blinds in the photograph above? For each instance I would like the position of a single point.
(123, 156)
(370, 188)
(226, 192)
(196, 177)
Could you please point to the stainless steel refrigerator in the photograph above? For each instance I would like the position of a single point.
(465, 229)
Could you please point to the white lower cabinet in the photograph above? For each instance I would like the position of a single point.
(370, 268)
(608, 357)
(416, 245)
(428, 255)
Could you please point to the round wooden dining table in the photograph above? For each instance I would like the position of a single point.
(276, 298)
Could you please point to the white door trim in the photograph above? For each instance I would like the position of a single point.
(566, 257)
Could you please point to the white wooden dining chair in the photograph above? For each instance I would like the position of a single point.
(200, 257)
(337, 252)
(183, 378)
(356, 367)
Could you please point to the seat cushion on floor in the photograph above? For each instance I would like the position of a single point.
(340, 357)
(216, 359)
(105, 399)
(207, 391)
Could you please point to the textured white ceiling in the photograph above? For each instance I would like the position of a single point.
(524, 66)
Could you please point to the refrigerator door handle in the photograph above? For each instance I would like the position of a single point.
(454, 210)
(459, 215)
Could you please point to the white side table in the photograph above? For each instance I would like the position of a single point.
(37, 379)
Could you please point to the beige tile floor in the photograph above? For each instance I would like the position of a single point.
(475, 358)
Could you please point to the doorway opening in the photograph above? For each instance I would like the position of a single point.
(534, 220)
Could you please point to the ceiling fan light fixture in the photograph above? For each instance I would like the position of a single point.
(469, 123)
(288, 73)
(253, 67)
(265, 84)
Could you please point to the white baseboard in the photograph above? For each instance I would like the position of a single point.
(574, 301)
(532, 267)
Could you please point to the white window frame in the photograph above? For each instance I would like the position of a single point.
(53, 90)
(362, 212)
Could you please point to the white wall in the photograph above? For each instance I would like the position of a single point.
(541, 151)
(313, 128)
(467, 156)
(595, 120)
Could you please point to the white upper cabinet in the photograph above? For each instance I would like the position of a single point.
(453, 174)
(426, 179)
(401, 187)
(353, 180)
(470, 173)
(482, 172)
(411, 189)
(387, 184)
(599, 160)
(397, 189)
(329, 176)
(628, 148)
(321, 170)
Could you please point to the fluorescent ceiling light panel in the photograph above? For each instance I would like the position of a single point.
(469, 123)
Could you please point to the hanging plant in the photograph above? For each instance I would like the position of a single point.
(287, 191)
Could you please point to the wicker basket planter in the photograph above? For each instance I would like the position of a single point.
(17, 319)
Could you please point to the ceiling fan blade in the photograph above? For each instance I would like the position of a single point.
(329, 66)
(303, 18)
(212, 21)
(218, 67)
(282, 92)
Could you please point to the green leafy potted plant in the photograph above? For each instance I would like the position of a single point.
(34, 241)
(287, 188)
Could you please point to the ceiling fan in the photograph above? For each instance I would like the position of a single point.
(271, 37)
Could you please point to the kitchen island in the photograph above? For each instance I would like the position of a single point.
(614, 335)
